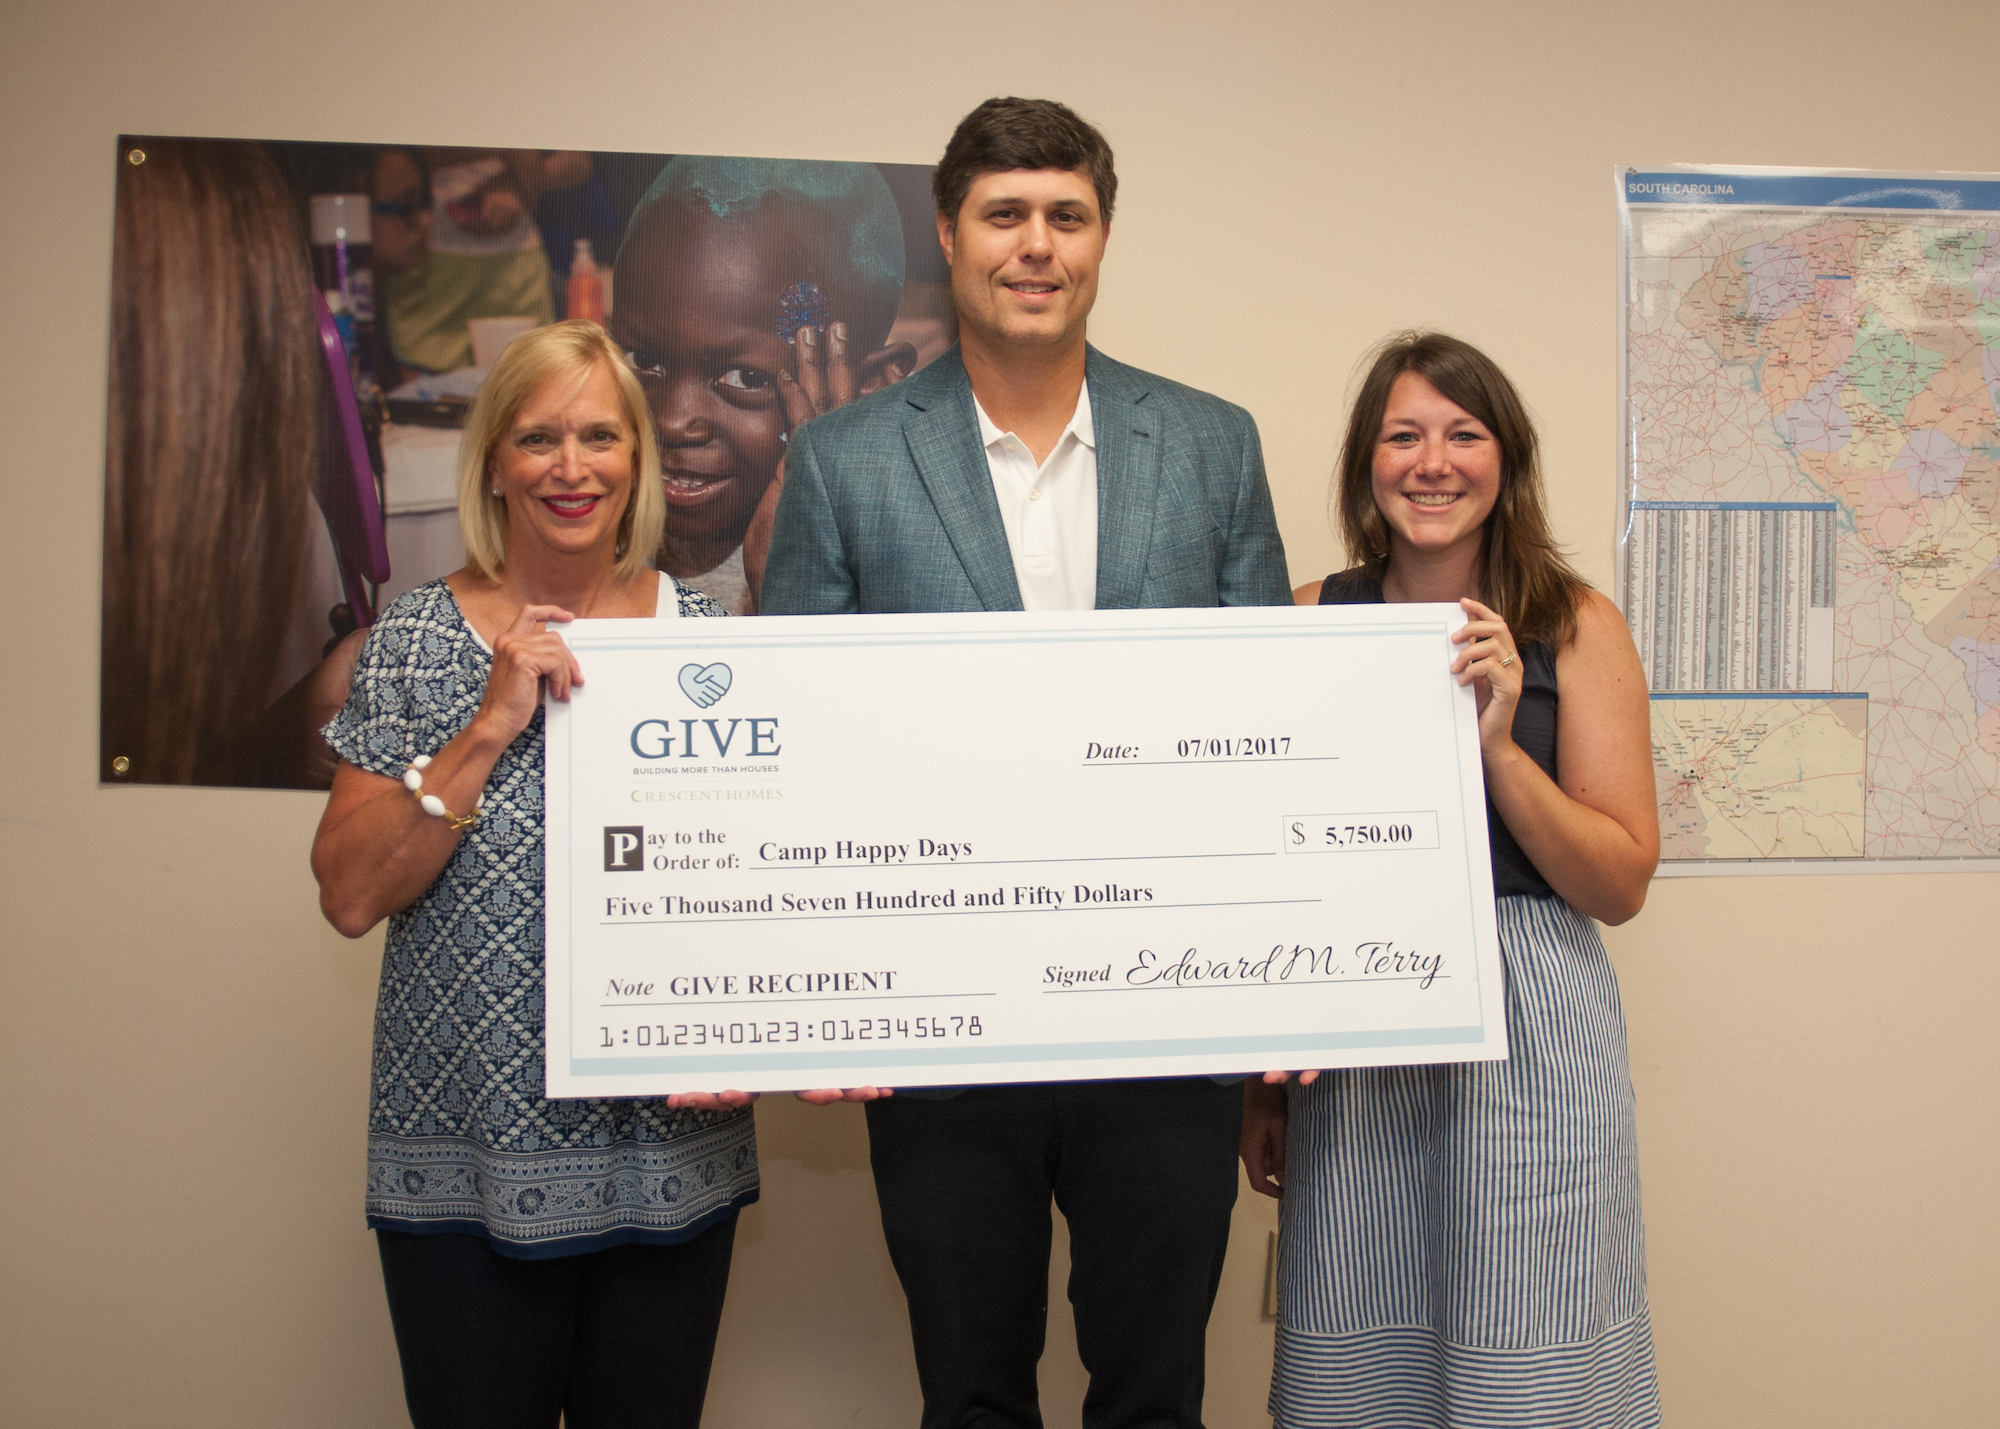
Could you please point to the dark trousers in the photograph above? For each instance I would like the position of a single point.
(615, 1339)
(1145, 1175)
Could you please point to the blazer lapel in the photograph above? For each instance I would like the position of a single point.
(1128, 479)
(943, 434)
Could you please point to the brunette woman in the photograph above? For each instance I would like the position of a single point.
(1462, 1244)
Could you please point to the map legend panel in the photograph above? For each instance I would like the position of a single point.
(1732, 597)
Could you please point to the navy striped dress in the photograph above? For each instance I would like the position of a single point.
(1462, 1244)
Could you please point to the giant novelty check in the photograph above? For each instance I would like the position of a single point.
(945, 849)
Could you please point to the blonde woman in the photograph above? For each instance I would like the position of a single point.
(543, 1259)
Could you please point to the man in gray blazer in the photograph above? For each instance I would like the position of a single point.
(1026, 470)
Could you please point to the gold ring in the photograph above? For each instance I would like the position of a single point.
(1505, 661)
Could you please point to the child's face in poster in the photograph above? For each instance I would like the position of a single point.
(698, 308)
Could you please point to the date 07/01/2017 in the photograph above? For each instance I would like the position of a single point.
(1247, 746)
(831, 1029)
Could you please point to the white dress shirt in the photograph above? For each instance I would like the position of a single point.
(1049, 512)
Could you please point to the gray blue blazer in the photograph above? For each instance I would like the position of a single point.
(888, 503)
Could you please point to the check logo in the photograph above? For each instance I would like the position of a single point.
(705, 684)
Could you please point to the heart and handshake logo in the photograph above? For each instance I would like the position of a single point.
(661, 738)
(705, 684)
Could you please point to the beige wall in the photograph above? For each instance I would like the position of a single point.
(185, 1044)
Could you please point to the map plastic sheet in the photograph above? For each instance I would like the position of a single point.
(1809, 537)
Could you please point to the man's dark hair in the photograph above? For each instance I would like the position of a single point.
(1004, 134)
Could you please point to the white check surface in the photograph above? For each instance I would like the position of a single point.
(943, 849)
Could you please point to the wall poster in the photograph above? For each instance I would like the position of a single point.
(1809, 539)
(298, 330)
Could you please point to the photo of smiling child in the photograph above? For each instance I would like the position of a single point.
(750, 295)
(753, 295)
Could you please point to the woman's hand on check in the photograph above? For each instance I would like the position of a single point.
(527, 658)
(1262, 1146)
(827, 1096)
(711, 1101)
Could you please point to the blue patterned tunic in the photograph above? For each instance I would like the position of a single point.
(460, 1137)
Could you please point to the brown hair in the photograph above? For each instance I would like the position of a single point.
(1004, 134)
(209, 452)
(1522, 572)
(537, 356)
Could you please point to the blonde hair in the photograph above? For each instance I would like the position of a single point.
(534, 358)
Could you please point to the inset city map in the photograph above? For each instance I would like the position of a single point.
(1761, 777)
(1812, 508)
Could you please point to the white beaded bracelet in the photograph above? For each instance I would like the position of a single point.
(413, 780)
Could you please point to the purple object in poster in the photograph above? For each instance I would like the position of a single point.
(344, 485)
(804, 304)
